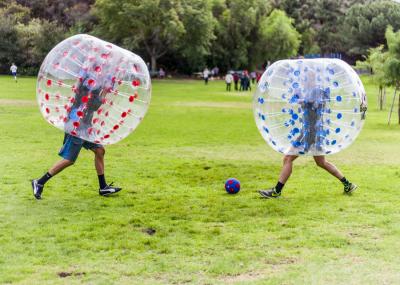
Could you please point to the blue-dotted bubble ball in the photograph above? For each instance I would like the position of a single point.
(310, 106)
(232, 186)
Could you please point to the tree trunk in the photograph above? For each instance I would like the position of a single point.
(399, 110)
(393, 103)
(153, 63)
(384, 96)
(380, 98)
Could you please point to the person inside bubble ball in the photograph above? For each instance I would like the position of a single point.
(91, 88)
(312, 101)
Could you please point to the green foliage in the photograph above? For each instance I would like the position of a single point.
(8, 42)
(158, 26)
(366, 25)
(376, 62)
(237, 32)
(392, 64)
(278, 38)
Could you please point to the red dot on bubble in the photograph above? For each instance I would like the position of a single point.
(136, 82)
(46, 96)
(90, 130)
(98, 132)
(80, 114)
(97, 69)
(76, 124)
(116, 127)
(91, 82)
(99, 111)
(85, 99)
(123, 115)
(107, 136)
(48, 82)
(102, 123)
(131, 98)
(65, 119)
(106, 114)
(47, 110)
(72, 99)
(73, 133)
(95, 120)
(57, 109)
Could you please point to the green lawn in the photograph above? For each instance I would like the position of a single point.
(172, 169)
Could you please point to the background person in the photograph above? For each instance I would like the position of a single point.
(13, 70)
(228, 80)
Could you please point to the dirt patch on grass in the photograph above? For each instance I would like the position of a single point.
(236, 105)
(272, 267)
(16, 102)
(67, 274)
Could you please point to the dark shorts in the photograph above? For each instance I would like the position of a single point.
(14, 73)
(73, 145)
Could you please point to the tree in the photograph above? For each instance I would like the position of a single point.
(237, 32)
(376, 63)
(366, 25)
(392, 64)
(278, 38)
(158, 26)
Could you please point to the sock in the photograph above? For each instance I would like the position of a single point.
(102, 181)
(345, 182)
(44, 179)
(279, 187)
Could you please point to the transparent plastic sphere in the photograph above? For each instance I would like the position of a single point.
(310, 106)
(93, 89)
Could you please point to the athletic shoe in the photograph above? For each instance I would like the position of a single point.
(350, 188)
(37, 189)
(270, 193)
(108, 190)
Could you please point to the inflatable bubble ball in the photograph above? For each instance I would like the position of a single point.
(93, 89)
(310, 106)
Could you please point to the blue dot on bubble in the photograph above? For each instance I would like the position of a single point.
(355, 110)
(337, 130)
(339, 116)
(295, 85)
(333, 142)
(263, 117)
(335, 83)
(295, 116)
(339, 98)
(266, 129)
(296, 73)
(354, 94)
(331, 71)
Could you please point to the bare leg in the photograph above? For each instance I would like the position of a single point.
(60, 166)
(323, 163)
(287, 168)
(99, 159)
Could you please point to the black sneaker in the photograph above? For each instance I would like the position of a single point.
(108, 190)
(270, 193)
(350, 188)
(37, 189)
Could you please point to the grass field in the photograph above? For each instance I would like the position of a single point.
(172, 169)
